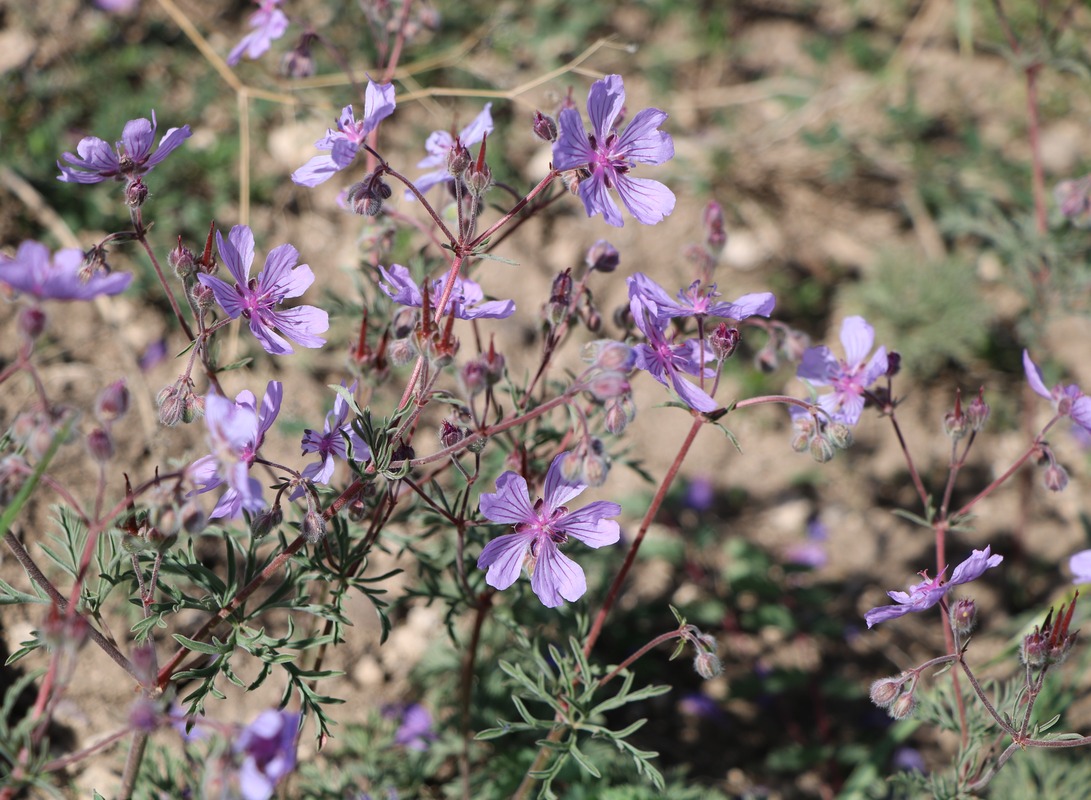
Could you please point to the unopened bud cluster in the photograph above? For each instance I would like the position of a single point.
(819, 437)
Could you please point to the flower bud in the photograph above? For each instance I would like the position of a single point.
(963, 617)
(955, 425)
(136, 193)
(494, 363)
(885, 691)
(451, 434)
(31, 322)
(893, 363)
(618, 416)
(822, 449)
(13, 470)
(602, 257)
(595, 466)
(171, 405)
(112, 402)
(1055, 477)
(544, 127)
(473, 378)
(202, 296)
(840, 435)
(903, 706)
(193, 518)
(607, 384)
(400, 352)
(713, 220)
(478, 176)
(267, 521)
(572, 467)
(458, 159)
(182, 261)
(100, 445)
(297, 62)
(707, 665)
(313, 527)
(608, 354)
(724, 341)
(978, 411)
(194, 408)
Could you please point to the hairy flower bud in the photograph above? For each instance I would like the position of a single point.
(619, 414)
(822, 449)
(607, 384)
(885, 691)
(193, 409)
(313, 526)
(544, 127)
(458, 159)
(297, 63)
(31, 322)
(172, 404)
(100, 445)
(136, 192)
(903, 706)
(602, 257)
(112, 402)
(450, 433)
(610, 355)
(723, 341)
(963, 617)
(572, 467)
(400, 352)
(707, 665)
(978, 411)
(267, 521)
(478, 175)
(1055, 477)
(893, 363)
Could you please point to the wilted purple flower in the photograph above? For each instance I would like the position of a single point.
(131, 157)
(1080, 564)
(850, 376)
(236, 431)
(666, 361)
(330, 443)
(927, 593)
(267, 746)
(439, 145)
(269, 23)
(608, 156)
(415, 731)
(33, 272)
(255, 299)
(693, 303)
(540, 529)
(349, 136)
(465, 301)
(1068, 400)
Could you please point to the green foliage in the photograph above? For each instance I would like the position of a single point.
(932, 312)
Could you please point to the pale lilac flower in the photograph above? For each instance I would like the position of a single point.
(129, 158)
(540, 529)
(466, 301)
(609, 157)
(415, 731)
(33, 272)
(928, 593)
(269, 23)
(1068, 400)
(255, 299)
(1080, 564)
(267, 746)
(236, 431)
(331, 444)
(666, 361)
(693, 303)
(850, 376)
(349, 136)
(439, 145)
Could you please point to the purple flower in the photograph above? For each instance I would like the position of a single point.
(539, 531)
(927, 593)
(33, 272)
(850, 376)
(349, 136)
(1068, 400)
(415, 731)
(693, 303)
(465, 301)
(666, 361)
(131, 157)
(255, 299)
(236, 431)
(331, 444)
(439, 145)
(269, 23)
(1080, 564)
(268, 748)
(608, 156)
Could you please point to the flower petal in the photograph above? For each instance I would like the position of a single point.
(556, 576)
(511, 502)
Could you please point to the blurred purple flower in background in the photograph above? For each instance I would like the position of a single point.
(350, 135)
(1068, 400)
(269, 23)
(1080, 564)
(609, 156)
(255, 300)
(33, 272)
(268, 747)
(439, 146)
(415, 725)
(850, 376)
(540, 529)
(130, 157)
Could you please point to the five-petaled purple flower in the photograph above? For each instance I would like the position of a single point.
(466, 301)
(349, 136)
(331, 442)
(609, 156)
(692, 302)
(129, 158)
(267, 746)
(1068, 400)
(666, 361)
(851, 376)
(540, 529)
(439, 145)
(33, 272)
(255, 299)
(927, 593)
(269, 23)
(236, 431)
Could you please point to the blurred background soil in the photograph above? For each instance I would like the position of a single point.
(838, 136)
